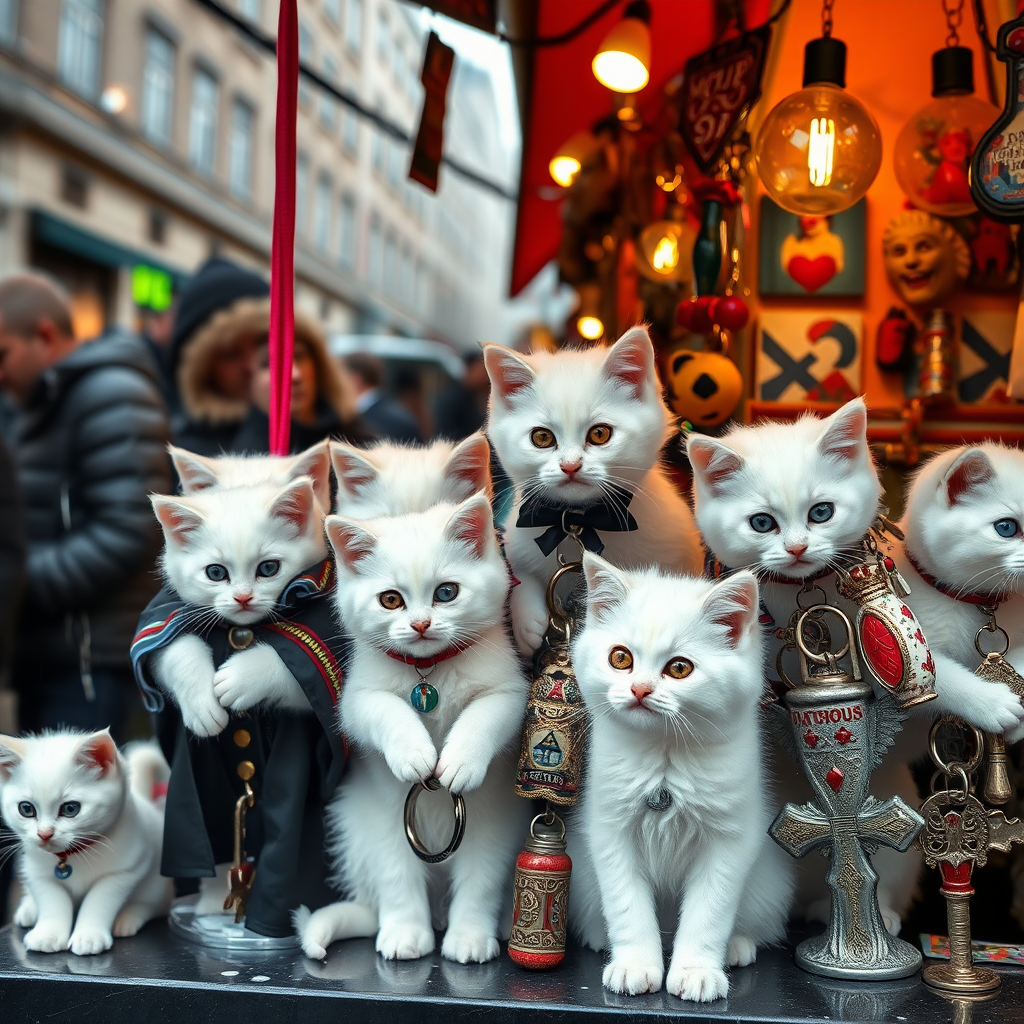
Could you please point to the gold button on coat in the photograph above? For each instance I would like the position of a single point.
(242, 738)
(246, 770)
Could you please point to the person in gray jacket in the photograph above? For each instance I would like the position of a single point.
(88, 436)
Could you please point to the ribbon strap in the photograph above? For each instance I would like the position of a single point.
(610, 513)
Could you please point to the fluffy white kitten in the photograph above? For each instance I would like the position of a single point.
(963, 527)
(72, 793)
(390, 479)
(417, 585)
(230, 552)
(792, 500)
(200, 472)
(569, 426)
(670, 669)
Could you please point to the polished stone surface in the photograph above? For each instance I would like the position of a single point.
(156, 978)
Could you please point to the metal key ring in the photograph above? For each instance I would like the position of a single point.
(970, 766)
(991, 627)
(432, 785)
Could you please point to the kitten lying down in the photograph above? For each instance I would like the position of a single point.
(90, 838)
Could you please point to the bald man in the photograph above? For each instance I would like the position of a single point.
(88, 437)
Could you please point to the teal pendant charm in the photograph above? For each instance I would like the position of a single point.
(62, 870)
(423, 697)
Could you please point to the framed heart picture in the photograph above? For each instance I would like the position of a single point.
(811, 255)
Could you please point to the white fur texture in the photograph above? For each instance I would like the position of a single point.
(949, 524)
(784, 470)
(568, 393)
(468, 742)
(706, 860)
(240, 529)
(389, 479)
(115, 885)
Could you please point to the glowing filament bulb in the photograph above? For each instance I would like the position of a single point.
(665, 258)
(820, 151)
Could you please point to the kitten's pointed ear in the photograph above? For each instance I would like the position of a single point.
(630, 361)
(351, 541)
(508, 370)
(296, 504)
(177, 517)
(353, 467)
(606, 586)
(469, 467)
(12, 751)
(315, 462)
(713, 463)
(845, 433)
(473, 523)
(195, 472)
(970, 470)
(734, 603)
(98, 751)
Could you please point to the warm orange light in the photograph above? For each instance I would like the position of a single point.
(623, 61)
(665, 257)
(590, 327)
(564, 169)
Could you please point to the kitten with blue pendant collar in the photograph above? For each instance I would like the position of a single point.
(582, 429)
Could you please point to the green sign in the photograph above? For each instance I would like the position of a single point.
(151, 288)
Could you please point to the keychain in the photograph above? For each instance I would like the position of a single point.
(242, 870)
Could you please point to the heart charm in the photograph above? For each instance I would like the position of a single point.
(240, 637)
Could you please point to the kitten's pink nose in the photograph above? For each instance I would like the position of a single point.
(243, 600)
(641, 690)
(796, 550)
(570, 469)
(421, 626)
(46, 834)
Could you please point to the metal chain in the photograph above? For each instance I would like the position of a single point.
(954, 11)
(826, 17)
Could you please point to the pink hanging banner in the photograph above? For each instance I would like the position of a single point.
(282, 249)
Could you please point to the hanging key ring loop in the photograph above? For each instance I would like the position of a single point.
(991, 627)
(956, 767)
(954, 796)
(459, 805)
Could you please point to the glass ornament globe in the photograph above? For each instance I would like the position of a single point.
(818, 151)
(933, 153)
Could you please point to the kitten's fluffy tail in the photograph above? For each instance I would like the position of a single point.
(147, 771)
(316, 931)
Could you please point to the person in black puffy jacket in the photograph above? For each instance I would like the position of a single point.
(88, 435)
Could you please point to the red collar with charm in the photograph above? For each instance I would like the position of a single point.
(82, 844)
(988, 600)
(774, 577)
(449, 652)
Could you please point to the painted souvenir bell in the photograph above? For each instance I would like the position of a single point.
(840, 733)
(541, 896)
(891, 640)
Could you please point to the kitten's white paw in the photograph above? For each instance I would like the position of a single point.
(46, 938)
(129, 921)
(415, 761)
(461, 773)
(742, 951)
(229, 686)
(633, 974)
(404, 941)
(892, 921)
(529, 621)
(698, 984)
(27, 913)
(997, 709)
(1016, 734)
(88, 941)
(203, 716)
(469, 946)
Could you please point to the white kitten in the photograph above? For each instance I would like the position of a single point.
(963, 527)
(200, 472)
(68, 798)
(230, 552)
(421, 586)
(670, 669)
(790, 501)
(391, 479)
(568, 428)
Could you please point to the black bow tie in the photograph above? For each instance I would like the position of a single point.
(610, 513)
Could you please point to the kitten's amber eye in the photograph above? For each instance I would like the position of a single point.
(542, 437)
(391, 599)
(678, 668)
(600, 433)
(620, 658)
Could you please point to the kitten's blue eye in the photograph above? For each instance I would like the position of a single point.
(70, 808)
(822, 512)
(26, 810)
(763, 523)
(1007, 527)
(270, 567)
(446, 592)
(217, 573)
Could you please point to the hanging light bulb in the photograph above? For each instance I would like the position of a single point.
(819, 150)
(665, 250)
(589, 324)
(571, 155)
(590, 327)
(934, 148)
(623, 61)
